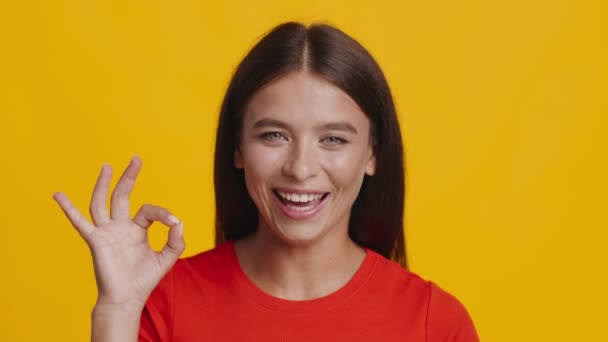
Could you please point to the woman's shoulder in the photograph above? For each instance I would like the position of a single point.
(392, 273)
(395, 277)
(445, 313)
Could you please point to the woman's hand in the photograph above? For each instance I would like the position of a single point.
(126, 268)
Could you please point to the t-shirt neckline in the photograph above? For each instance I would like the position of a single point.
(323, 303)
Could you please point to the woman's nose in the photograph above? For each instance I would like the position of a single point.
(302, 162)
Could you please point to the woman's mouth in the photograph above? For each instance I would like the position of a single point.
(300, 205)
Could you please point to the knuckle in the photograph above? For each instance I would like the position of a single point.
(177, 246)
(76, 220)
(164, 212)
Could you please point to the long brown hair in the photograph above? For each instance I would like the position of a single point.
(376, 219)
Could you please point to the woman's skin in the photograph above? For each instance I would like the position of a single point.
(126, 268)
(300, 134)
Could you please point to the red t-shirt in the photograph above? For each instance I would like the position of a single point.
(208, 297)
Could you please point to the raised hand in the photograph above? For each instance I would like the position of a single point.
(126, 268)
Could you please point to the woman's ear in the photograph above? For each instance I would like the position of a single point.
(238, 159)
(370, 169)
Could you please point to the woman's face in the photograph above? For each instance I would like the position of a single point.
(305, 147)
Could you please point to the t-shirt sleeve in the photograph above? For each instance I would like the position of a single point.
(157, 315)
(447, 318)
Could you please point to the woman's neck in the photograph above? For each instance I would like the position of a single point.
(299, 272)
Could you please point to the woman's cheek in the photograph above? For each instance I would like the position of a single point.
(343, 167)
(261, 161)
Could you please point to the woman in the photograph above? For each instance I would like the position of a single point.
(309, 184)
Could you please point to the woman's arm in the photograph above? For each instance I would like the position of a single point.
(126, 268)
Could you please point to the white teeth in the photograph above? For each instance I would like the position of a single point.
(301, 209)
(302, 198)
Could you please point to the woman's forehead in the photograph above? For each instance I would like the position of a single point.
(303, 97)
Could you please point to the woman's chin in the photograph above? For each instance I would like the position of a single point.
(299, 237)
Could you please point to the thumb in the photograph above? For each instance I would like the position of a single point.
(173, 248)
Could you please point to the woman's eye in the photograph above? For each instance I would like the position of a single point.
(272, 136)
(335, 140)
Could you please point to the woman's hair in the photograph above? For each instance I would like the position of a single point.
(376, 219)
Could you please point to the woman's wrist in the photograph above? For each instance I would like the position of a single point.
(110, 310)
(104, 307)
(115, 323)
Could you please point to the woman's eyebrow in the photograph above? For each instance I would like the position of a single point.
(330, 126)
(265, 122)
(339, 126)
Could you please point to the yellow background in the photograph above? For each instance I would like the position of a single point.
(503, 109)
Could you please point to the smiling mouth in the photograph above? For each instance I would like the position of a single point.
(300, 206)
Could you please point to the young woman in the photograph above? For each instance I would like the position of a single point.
(309, 184)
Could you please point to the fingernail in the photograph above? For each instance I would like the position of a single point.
(173, 220)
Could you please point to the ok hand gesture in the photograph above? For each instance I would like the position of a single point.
(126, 268)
